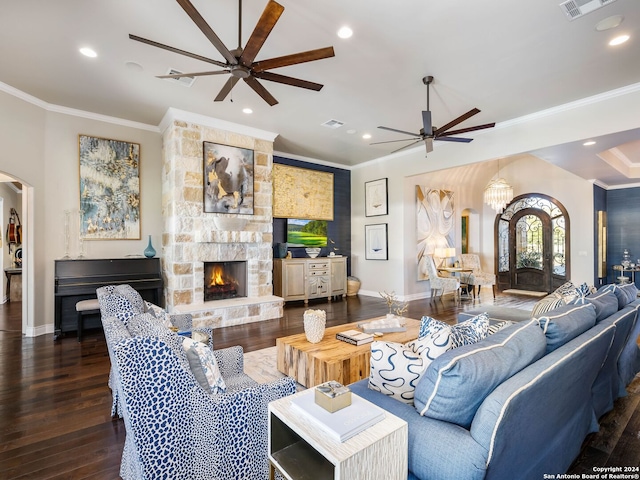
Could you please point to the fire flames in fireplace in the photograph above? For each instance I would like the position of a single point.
(224, 280)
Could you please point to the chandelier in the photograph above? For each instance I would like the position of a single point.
(498, 193)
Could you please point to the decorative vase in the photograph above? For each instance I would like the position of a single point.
(280, 250)
(314, 324)
(150, 252)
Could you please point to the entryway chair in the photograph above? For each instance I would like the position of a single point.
(477, 277)
(439, 283)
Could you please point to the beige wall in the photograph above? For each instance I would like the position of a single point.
(40, 149)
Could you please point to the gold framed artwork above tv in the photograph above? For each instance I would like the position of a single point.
(302, 193)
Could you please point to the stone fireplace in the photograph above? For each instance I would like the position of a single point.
(193, 238)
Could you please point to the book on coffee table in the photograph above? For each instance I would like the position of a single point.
(355, 337)
(344, 423)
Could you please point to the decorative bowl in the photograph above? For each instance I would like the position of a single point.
(313, 252)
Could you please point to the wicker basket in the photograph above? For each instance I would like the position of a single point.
(353, 285)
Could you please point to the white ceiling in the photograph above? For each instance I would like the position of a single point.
(507, 58)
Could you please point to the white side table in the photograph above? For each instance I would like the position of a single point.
(299, 450)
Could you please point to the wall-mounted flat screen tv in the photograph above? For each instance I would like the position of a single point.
(306, 233)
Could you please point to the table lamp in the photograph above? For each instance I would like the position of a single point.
(444, 253)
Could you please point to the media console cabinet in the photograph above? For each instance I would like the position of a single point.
(307, 278)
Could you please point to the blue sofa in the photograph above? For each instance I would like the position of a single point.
(519, 403)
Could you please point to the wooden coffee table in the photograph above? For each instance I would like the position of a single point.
(331, 359)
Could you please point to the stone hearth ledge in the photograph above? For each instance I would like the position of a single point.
(233, 311)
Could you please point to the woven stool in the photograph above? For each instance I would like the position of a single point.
(86, 307)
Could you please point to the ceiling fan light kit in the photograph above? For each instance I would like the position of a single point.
(240, 61)
(428, 133)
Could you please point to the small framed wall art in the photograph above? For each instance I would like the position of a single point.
(375, 238)
(375, 198)
(228, 179)
(109, 189)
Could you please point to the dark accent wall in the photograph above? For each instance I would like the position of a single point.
(338, 230)
(623, 227)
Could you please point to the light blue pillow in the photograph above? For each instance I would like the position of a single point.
(566, 323)
(624, 293)
(605, 301)
(458, 381)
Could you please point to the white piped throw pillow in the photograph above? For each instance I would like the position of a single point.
(396, 368)
(204, 366)
(457, 382)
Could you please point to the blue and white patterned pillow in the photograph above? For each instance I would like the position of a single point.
(204, 366)
(548, 303)
(470, 331)
(463, 333)
(430, 325)
(396, 368)
(496, 327)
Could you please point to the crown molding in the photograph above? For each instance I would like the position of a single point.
(49, 107)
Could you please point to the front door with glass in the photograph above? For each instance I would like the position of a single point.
(532, 244)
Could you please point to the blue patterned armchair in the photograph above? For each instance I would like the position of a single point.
(124, 302)
(174, 427)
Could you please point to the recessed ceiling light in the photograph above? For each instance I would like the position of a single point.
(247, 111)
(366, 136)
(609, 23)
(351, 131)
(589, 143)
(88, 52)
(619, 40)
(345, 32)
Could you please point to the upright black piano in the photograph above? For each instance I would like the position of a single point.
(77, 280)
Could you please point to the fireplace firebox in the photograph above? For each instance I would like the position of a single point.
(225, 280)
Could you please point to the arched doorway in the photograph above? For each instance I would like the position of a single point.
(532, 244)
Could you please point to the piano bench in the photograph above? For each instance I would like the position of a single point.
(86, 307)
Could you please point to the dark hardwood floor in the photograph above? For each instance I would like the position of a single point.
(55, 404)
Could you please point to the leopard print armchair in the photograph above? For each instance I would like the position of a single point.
(176, 429)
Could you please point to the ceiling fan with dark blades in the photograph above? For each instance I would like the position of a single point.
(428, 133)
(240, 62)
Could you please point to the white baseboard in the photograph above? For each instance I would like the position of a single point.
(41, 330)
(401, 298)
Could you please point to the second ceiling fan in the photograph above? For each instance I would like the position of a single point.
(428, 133)
(240, 62)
